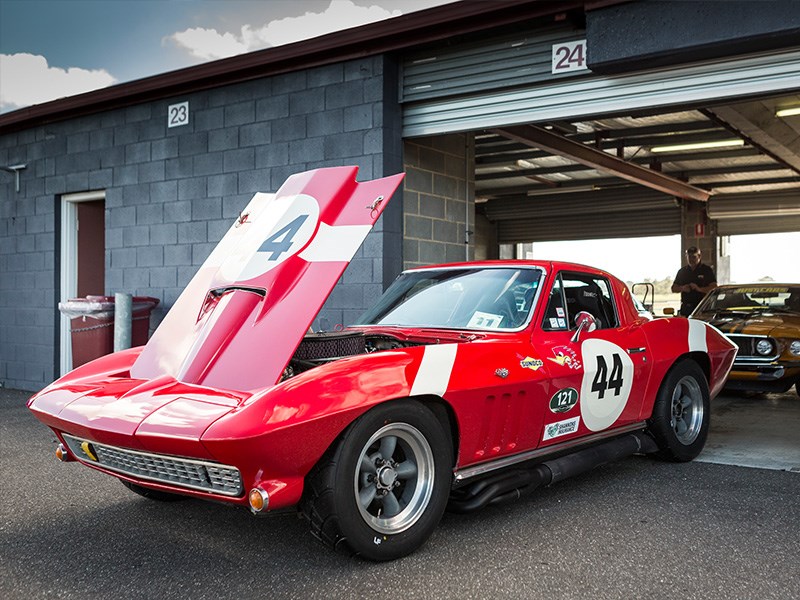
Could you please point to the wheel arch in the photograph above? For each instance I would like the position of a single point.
(659, 374)
(446, 416)
(440, 408)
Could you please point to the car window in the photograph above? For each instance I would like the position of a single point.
(458, 298)
(580, 292)
(752, 299)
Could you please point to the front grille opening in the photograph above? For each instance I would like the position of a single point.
(180, 472)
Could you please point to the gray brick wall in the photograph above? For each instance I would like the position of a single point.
(439, 193)
(171, 193)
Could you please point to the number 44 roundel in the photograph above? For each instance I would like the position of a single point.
(606, 383)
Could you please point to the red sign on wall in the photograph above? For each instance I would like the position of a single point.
(700, 230)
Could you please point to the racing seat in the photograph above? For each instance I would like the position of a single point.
(589, 299)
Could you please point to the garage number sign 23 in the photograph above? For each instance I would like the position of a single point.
(178, 114)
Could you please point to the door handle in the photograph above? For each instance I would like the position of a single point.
(636, 350)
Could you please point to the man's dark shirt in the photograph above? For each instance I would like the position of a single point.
(702, 275)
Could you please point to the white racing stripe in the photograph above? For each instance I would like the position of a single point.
(697, 336)
(335, 244)
(434, 372)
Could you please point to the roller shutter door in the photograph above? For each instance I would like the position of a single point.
(737, 214)
(470, 87)
(607, 214)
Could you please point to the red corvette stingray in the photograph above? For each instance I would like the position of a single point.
(466, 385)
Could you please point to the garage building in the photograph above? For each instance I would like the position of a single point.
(515, 121)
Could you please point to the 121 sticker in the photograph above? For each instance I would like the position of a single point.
(563, 400)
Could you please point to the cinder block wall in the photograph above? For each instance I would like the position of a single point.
(171, 193)
(439, 194)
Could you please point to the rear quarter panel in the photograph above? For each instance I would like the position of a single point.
(671, 339)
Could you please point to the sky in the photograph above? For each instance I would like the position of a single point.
(55, 48)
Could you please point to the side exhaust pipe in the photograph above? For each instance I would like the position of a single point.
(511, 485)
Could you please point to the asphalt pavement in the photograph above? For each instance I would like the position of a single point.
(636, 529)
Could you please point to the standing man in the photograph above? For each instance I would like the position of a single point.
(693, 281)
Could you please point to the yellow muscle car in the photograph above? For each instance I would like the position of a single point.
(763, 320)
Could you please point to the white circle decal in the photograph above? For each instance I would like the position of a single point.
(606, 384)
(282, 230)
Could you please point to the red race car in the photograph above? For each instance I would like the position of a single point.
(466, 385)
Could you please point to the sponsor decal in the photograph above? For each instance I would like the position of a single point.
(560, 312)
(755, 290)
(564, 400)
(562, 323)
(553, 322)
(566, 357)
(554, 430)
(534, 364)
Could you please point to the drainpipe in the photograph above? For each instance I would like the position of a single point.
(123, 313)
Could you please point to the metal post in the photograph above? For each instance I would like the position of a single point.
(123, 313)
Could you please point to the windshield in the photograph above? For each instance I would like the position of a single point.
(464, 298)
(751, 299)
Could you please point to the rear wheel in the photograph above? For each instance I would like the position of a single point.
(681, 413)
(381, 491)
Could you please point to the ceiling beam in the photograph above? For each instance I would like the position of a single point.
(541, 138)
(683, 174)
(608, 183)
(668, 157)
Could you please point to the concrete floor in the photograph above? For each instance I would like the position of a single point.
(755, 430)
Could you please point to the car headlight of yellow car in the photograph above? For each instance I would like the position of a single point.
(764, 347)
(794, 347)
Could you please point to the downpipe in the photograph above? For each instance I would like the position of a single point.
(508, 486)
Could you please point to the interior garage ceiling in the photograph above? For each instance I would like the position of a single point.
(544, 160)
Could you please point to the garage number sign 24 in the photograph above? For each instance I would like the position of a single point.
(569, 56)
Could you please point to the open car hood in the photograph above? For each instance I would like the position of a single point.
(239, 320)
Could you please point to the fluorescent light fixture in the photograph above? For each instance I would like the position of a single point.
(788, 112)
(699, 145)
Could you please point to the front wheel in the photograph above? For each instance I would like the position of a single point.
(381, 491)
(681, 413)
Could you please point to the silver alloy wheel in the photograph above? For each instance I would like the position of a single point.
(394, 478)
(686, 418)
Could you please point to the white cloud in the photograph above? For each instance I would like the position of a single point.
(27, 79)
(210, 44)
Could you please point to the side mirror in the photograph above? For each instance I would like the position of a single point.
(584, 321)
(669, 311)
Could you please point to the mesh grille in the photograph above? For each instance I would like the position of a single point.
(181, 472)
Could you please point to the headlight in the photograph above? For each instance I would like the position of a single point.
(764, 347)
(794, 347)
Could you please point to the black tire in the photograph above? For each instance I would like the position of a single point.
(152, 494)
(682, 413)
(396, 458)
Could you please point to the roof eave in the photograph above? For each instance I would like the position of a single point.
(393, 34)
